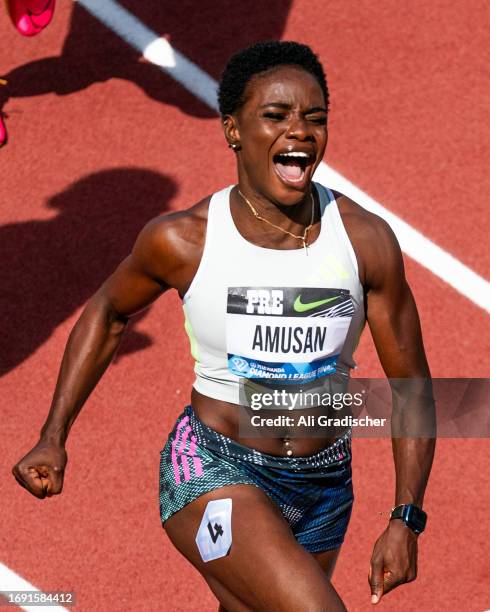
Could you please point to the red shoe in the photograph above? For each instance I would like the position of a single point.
(30, 16)
(3, 131)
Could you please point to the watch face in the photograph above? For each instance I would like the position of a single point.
(415, 518)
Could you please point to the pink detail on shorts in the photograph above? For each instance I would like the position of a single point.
(175, 463)
(184, 421)
(197, 462)
(341, 455)
(181, 454)
(198, 467)
(184, 439)
(174, 460)
(185, 467)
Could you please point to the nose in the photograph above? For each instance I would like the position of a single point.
(298, 128)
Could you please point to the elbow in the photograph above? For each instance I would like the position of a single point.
(100, 311)
(117, 325)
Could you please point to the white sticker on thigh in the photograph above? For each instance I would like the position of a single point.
(214, 534)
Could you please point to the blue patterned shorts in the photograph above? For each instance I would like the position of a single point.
(314, 493)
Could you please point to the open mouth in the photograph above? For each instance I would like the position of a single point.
(292, 166)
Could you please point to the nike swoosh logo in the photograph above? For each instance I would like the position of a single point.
(300, 307)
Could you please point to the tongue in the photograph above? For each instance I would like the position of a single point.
(290, 170)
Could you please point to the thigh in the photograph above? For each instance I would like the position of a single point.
(327, 561)
(266, 568)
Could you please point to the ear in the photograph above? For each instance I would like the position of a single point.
(232, 133)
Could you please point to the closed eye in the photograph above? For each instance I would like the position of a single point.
(274, 116)
(319, 120)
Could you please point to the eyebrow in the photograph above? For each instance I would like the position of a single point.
(283, 105)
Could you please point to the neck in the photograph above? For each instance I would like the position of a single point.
(303, 236)
(269, 226)
(285, 215)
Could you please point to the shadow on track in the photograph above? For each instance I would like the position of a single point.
(207, 32)
(51, 267)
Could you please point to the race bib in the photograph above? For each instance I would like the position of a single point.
(286, 334)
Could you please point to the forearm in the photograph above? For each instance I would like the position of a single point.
(413, 461)
(89, 350)
(413, 441)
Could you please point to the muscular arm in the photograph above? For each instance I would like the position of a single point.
(160, 259)
(136, 283)
(394, 323)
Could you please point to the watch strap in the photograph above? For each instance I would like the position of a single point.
(397, 512)
(413, 517)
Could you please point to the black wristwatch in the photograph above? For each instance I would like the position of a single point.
(413, 517)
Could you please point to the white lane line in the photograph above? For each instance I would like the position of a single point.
(10, 581)
(159, 51)
(413, 243)
(155, 49)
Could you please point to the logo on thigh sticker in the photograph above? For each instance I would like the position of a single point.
(214, 534)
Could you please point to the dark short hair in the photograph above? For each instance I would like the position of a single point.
(263, 56)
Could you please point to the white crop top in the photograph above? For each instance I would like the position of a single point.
(280, 316)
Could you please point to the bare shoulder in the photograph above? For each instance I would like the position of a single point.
(374, 242)
(184, 227)
(169, 247)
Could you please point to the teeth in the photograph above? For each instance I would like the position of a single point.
(294, 154)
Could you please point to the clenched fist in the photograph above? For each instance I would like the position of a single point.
(41, 471)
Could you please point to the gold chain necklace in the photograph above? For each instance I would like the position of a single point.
(303, 238)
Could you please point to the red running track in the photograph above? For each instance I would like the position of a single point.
(99, 143)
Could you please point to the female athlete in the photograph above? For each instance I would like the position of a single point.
(277, 275)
